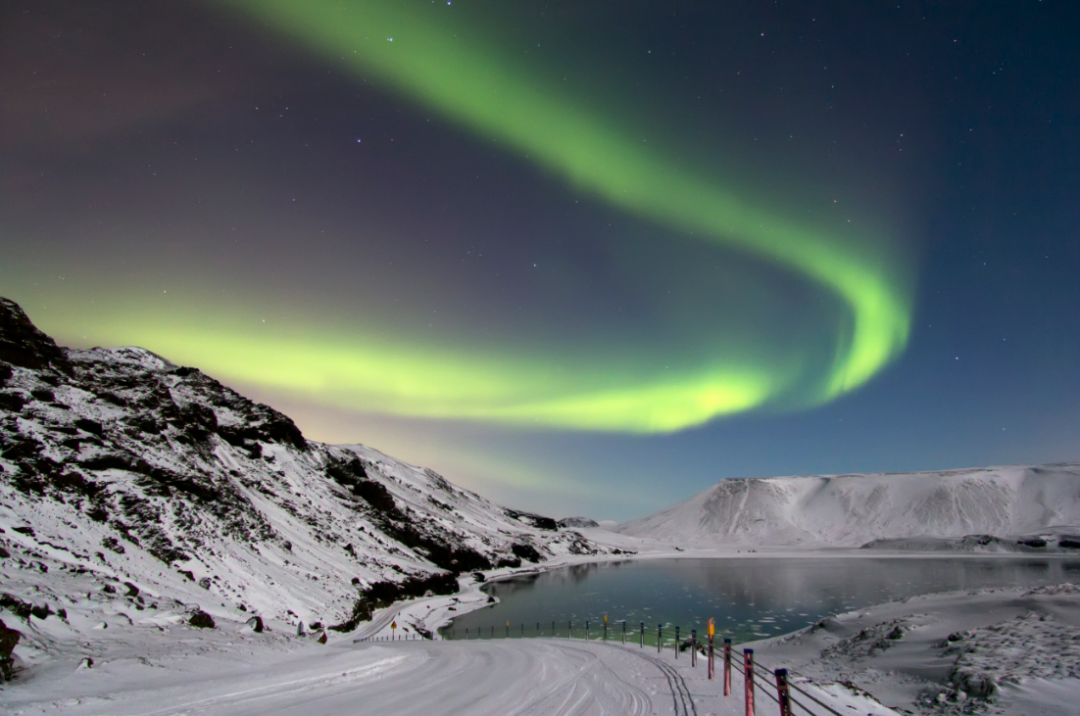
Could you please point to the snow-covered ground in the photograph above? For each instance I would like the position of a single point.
(1000, 651)
(1021, 647)
(235, 673)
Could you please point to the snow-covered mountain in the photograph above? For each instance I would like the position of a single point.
(158, 484)
(854, 510)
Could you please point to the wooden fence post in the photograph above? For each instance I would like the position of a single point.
(676, 642)
(727, 667)
(784, 696)
(748, 680)
(712, 631)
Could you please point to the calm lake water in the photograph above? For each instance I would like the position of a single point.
(749, 598)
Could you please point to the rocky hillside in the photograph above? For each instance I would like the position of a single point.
(936, 509)
(154, 484)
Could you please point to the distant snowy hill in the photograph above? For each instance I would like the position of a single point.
(853, 510)
(156, 481)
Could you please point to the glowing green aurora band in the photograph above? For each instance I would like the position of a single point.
(443, 67)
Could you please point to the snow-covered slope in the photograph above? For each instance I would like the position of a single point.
(165, 486)
(853, 510)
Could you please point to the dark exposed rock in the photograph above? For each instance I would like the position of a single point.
(5, 373)
(537, 521)
(526, 552)
(255, 624)
(9, 639)
(23, 345)
(43, 394)
(91, 426)
(12, 402)
(577, 522)
(23, 609)
(201, 620)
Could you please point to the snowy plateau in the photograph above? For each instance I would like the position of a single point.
(1004, 509)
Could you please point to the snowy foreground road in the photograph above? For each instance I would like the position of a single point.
(526, 677)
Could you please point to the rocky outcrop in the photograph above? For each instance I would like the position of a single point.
(577, 523)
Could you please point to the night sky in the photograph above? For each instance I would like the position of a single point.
(583, 257)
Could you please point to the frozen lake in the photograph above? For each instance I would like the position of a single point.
(749, 598)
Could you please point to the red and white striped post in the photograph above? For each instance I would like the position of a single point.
(727, 667)
(712, 630)
(784, 696)
(748, 680)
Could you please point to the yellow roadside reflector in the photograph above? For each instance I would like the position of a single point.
(712, 627)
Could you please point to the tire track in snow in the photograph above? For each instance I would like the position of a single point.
(680, 693)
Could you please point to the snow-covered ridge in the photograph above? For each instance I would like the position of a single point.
(853, 510)
(120, 468)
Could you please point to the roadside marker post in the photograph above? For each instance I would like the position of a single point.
(659, 638)
(586, 630)
(783, 695)
(748, 680)
(537, 630)
(693, 647)
(642, 635)
(522, 630)
(712, 632)
(624, 632)
(507, 630)
(676, 642)
(553, 634)
(605, 627)
(393, 626)
(727, 667)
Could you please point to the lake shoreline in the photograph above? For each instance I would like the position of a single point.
(431, 614)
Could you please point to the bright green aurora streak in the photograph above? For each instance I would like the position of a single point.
(442, 66)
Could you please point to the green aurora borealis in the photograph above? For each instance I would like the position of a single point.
(441, 66)
(580, 257)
